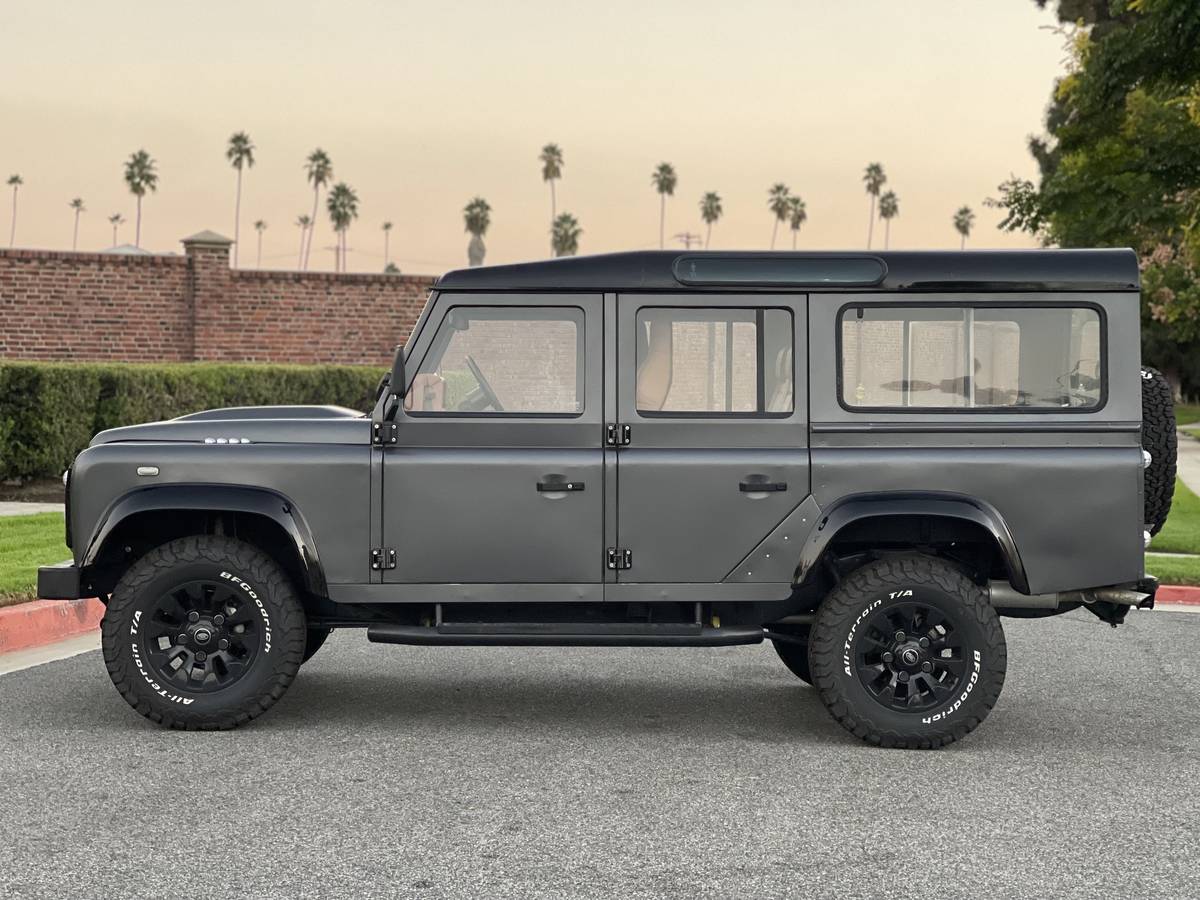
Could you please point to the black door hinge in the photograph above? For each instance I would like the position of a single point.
(384, 433)
(617, 435)
(383, 558)
(619, 559)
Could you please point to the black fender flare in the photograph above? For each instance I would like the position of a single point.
(215, 498)
(856, 507)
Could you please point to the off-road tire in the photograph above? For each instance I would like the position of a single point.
(848, 613)
(187, 559)
(315, 640)
(795, 655)
(1159, 440)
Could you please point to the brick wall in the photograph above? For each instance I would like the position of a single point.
(97, 306)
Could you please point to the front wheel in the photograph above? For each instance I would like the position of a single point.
(908, 652)
(205, 632)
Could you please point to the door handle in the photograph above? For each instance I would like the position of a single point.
(761, 487)
(556, 487)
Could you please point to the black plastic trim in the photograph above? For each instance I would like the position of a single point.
(429, 636)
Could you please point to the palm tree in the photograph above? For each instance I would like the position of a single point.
(664, 180)
(565, 234)
(141, 176)
(551, 158)
(477, 216)
(14, 182)
(302, 222)
(260, 226)
(777, 203)
(710, 211)
(319, 169)
(797, 216)
(342, 204)
(77, 205)
(889, 208)
(964, 221)
(874, 179)
(240, 154)
(391, 269)
(116, 220)
(387, 233)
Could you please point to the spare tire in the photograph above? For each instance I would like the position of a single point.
(1158, 439)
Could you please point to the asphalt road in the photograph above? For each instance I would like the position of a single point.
(556, 772)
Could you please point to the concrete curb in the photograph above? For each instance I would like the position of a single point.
(1177, 593)
(42, 622)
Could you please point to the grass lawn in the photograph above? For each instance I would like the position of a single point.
(1187, 414)
(27, 542)
(1181, 534)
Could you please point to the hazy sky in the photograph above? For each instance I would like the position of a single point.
(422, 105)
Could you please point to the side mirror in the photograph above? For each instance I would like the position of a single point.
(397, 383)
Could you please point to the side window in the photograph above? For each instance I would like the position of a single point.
(915, 357)
(491, 360)
(714, 362)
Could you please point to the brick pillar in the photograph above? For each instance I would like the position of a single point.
(209, 286)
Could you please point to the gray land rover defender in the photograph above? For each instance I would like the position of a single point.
(866, 459)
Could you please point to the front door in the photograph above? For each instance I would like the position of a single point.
(713, 390)
(497, 474)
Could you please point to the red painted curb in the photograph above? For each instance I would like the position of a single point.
(1178, 593)
(42, 622)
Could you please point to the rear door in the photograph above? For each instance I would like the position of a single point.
(713, 391)
(497, 474)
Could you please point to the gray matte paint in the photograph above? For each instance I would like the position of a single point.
(458, 499)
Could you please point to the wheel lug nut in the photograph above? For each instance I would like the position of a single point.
(900, 637)
(904, 676)
(193, 616)
(201, 656)
(182, 639)
(924, 642)
(887, 657)
(223, 644)
(927, 666)
(218, 619)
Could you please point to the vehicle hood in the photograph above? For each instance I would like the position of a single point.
(250, 425)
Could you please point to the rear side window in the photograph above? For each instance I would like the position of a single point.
(502, 361)
(948, 357)
(714, 362)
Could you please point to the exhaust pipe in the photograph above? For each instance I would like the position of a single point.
(1002, 594)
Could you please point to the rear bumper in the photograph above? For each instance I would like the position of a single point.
(60, 582)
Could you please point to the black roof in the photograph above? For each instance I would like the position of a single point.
(655, 270)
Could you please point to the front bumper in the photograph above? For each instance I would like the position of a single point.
(60, 582)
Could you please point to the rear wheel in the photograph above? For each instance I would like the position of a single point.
(205, 632)
(908, 652)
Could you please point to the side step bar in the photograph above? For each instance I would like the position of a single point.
(564, 635)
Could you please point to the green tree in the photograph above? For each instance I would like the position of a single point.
(551, 159)
(477, 218)
(964, 221)
(710, 211)
(318, 169)
(873, 180)
(565, 235)
(259, 226)
(1120, 161)
(116, 220)
(889, 208)
(797, 214)
(79, 208)
(303, 222)
(14, 182)
(664, 180)
(141, 175)
(777, 203)
(387, 233)
(342, 205)
(240, 153)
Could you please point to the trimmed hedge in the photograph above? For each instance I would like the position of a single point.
(49, 411)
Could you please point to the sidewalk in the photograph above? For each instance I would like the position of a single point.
(1188, 460)
(23, 508)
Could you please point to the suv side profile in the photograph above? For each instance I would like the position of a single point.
(866, 459)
